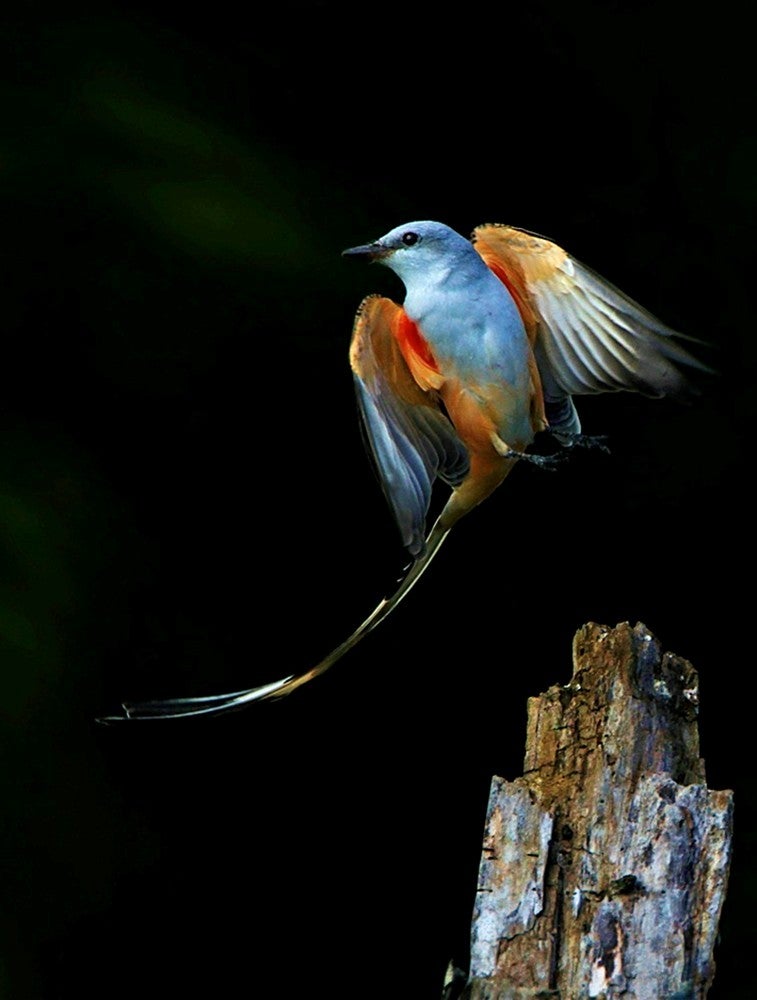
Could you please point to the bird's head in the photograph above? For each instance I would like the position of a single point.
(417, 250)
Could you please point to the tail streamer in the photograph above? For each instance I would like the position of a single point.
(178, 708)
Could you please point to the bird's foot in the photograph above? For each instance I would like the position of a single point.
(548, 462)
(570, 440)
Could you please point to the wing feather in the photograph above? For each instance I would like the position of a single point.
(409, 436)
(577, 372)
(595, 314)
(583, 374)
(600, 354)
(591, 337)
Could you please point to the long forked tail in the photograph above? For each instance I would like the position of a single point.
(175, 708)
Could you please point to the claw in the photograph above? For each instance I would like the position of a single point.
(570, 440)
(548, 462)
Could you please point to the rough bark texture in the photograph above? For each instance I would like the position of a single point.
(604, 867)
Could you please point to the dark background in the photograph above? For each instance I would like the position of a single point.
(186, 505)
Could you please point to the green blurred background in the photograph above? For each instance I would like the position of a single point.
(186, 505)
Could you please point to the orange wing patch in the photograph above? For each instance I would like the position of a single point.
(537, 259)
(384, 339)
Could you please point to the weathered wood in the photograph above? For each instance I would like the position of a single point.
(604, 867)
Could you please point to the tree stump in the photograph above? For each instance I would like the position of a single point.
(604, 867)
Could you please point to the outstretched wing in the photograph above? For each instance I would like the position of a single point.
(588, 336)
(411, 439)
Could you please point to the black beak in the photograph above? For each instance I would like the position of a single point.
(373, 251)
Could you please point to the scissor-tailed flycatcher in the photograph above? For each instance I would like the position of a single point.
(495, 337)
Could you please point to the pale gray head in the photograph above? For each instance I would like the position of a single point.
(419, 249)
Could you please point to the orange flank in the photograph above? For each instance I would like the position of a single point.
(519, 293)
(417, 353)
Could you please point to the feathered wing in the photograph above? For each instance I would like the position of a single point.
(410, 437)
(588, 336)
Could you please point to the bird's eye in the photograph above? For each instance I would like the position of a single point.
(410, 239)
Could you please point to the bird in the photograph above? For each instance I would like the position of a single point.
(496, 336)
